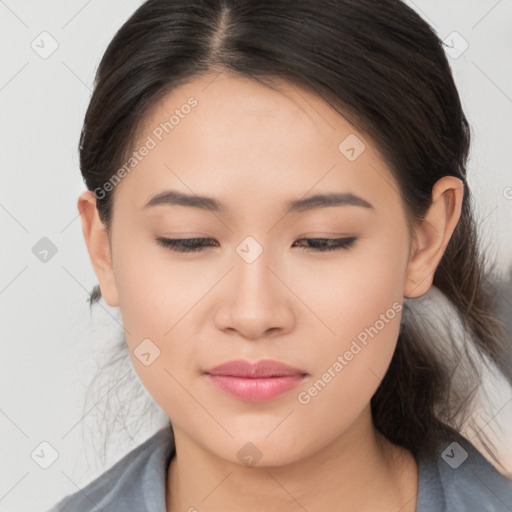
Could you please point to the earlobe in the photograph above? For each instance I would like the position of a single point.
(98, 246)
(432, 235)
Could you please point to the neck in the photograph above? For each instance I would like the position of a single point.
(360, 470)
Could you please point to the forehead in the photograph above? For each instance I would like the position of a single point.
(238, 140)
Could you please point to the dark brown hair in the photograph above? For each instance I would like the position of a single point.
(384, 69)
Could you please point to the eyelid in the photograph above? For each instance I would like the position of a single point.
(198, 244)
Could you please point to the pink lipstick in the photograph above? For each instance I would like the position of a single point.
(259, 382)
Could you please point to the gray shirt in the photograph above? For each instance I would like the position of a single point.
(459, 479)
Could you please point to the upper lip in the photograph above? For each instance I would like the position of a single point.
(260, 369)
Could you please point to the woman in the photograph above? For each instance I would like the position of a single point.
(273, 186)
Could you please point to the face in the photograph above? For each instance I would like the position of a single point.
(258, 287)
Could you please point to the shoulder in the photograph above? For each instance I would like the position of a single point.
(136, 482)
(460, 479)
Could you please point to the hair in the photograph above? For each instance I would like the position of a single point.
(383, 68)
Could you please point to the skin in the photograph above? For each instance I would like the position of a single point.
(253, 149)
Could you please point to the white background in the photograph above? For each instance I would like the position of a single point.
(50, 341)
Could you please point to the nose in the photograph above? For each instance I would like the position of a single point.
(255, 301)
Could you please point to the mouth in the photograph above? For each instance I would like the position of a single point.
(258, 382)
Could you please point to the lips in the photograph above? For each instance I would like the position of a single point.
(261, 369)
(255, 382)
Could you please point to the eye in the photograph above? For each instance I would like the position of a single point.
(328, 244)
(198, 244)
(185, 244)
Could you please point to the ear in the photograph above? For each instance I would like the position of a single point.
(98, 246)
(432, 234)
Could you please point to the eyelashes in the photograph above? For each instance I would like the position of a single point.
(189, 245)
(185, 244)
(328, 244)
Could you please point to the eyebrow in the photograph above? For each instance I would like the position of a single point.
(175, 198)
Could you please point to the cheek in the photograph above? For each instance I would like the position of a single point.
(349, 293)
(359, 297)
(153, 291)
(154, 298)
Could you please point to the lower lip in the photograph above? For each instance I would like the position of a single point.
(256, 390)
